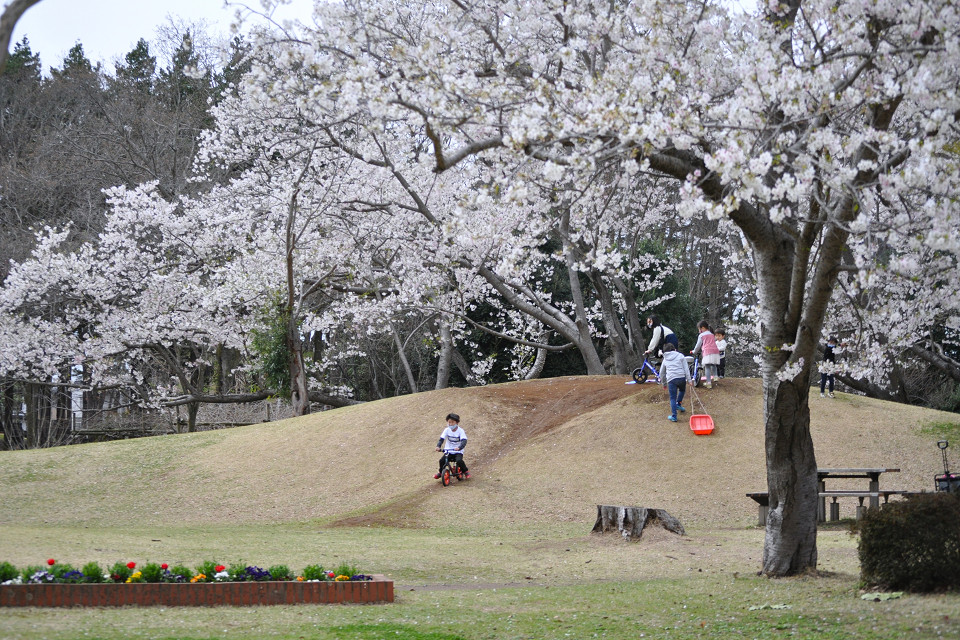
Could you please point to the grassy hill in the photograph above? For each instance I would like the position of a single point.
(507, 554)
(540, 451)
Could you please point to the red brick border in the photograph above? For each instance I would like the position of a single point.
(209, 594)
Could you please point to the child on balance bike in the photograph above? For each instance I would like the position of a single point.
(452, 442)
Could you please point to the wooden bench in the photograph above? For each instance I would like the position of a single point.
(762, 498)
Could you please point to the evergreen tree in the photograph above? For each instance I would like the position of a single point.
(140, 68)
(75, 64)
(23, 65)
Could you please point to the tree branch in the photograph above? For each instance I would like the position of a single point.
(8, 20)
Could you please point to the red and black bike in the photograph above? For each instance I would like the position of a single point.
(450, 471)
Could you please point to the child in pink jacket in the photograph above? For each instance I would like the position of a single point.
(711, 353)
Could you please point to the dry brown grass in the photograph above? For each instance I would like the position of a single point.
(541, 451)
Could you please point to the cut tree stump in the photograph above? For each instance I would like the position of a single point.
(630, 521)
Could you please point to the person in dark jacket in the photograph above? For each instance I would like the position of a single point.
(826, 373)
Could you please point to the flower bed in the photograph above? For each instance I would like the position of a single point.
(210, 584)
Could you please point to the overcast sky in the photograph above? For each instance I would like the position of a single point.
(108, 29)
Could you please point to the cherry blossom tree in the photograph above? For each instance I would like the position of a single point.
(811, 126)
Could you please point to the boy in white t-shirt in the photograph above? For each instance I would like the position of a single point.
(452, 442)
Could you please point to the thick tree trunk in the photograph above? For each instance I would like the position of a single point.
(583, 338)
(299, 395)
(790, 542)
(192, 409)
(631, 521)
(446, 353)
(623, 354)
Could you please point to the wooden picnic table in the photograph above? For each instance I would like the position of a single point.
(872, 474)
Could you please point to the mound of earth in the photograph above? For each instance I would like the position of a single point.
(541, 451)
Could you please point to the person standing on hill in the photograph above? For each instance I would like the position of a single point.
(826, 370)
(721, 337)
(662, 335)
(452, 442)
(676, 374)
(711, 354)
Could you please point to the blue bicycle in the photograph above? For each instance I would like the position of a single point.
(642, 373)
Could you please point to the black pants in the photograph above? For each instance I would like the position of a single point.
(826, 378)
(455, 459)
(722, 367)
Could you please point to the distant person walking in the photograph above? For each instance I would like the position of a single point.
(711, 354)
(662, 334)
(676, 374)
(721, 337)
(826, 370)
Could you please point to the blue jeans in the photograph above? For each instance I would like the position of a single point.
(677, 387)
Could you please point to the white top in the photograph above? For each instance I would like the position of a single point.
(452, 439)
(660, 331)
(722, 345)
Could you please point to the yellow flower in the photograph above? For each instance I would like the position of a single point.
(198, 578)
(299, 578)
(342, 578)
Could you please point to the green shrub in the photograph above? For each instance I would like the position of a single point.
(29, 571)
(314, 572)
(208, 569)
(152, 572)
(119, 572)
(280, 572)
(8, 571)
(180, 573)
(912, 545)
(238, 572)
(345, 570)
(60, 569)
(92, 573)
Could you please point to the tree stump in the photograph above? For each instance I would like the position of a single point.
(630, 521)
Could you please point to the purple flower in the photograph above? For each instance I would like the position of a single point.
(254, 573)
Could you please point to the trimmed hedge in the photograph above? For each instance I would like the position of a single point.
(913, 545)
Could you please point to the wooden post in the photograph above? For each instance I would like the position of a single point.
(630, 521)
(822, 508)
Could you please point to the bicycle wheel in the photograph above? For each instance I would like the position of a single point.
(445, 476)
(696, 377)
(640, 375)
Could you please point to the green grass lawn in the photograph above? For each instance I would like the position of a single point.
(532, 582)
(508, 555)
(689, 607)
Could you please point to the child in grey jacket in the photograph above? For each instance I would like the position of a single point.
(674, 374)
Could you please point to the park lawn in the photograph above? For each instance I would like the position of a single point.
(507, 554)
(498, 582)
(700, 606)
